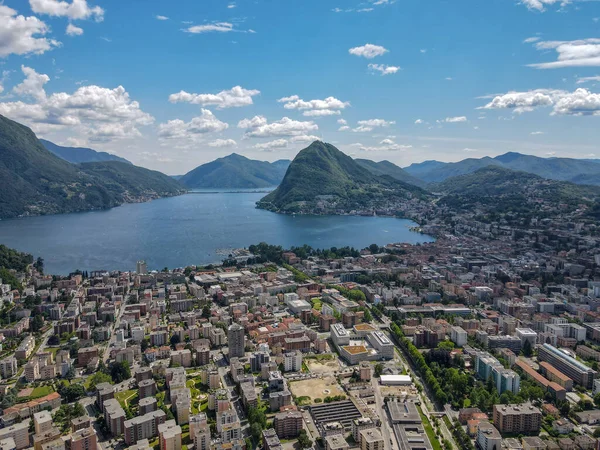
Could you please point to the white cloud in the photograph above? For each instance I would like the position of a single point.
(364, 126)
(581, 102)
(588, 79)
(470, 150)
(419, 122)
(540, 5)
(330, 106)
(72, 30)
(272, 145)
(231, 6)
(579, 53)
(368, 51)
(161, 17)
(456, 119)
(344, 128)
(187, 133)
(305, 138)
(385, 145)
(97, 112)
(384, 69)
(219, 143)
(216, 27)
(258, 126)
(423, 50)
(77, 9)
(32, 85)
(342, 122)
(20, 35)
(531, 40)
(537, 133)
(233, 98)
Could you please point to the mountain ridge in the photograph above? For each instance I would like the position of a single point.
(77, 155)
(235, 171)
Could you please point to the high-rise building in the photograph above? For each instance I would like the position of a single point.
(143, 427)
(141, 267)
(288, 424)
(236, 340)
(488, 437)
(170, 435)
(84, 439)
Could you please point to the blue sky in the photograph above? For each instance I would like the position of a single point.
(170, 85)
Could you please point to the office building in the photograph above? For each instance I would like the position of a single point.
(577, 371)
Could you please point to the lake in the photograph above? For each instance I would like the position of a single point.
(196, 228)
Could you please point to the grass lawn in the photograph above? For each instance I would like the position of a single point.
(435, 443)
(123, 396)
(41, 391)
(317, 303)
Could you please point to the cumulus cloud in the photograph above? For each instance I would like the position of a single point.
(419, 122)
(581, 102)
(161, 17)
(365, 126)
(20, 35)
(272, 145)
(259, 126)
(385, 145)
(75, 10)
(368, 51)
(342, 122)
(456, 119)
(344, 128)
(187, 133)
(305, 138)
(72, 30)
(384, 69)
(220, 143)
(92, 110)
(233, 98)
(314, 108)
(578, 53)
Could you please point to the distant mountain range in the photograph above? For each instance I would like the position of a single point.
(390, 169)
(321, 174)
(496, 190)
(34, 181)
(236, 171)
(77, 155)
(578, 171)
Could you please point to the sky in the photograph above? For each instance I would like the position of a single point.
(172, 85)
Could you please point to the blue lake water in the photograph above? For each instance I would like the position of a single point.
(189, 229)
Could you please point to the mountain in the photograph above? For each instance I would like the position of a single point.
(562, 169)
(496, 191)
(78, 155)
(235, 172)
(34, 181)
(391, 169)
(322, 178)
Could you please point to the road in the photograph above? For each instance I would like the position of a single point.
(388, 435)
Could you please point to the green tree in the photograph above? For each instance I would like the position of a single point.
(120, 371)
(97, 378)
(175, 340)
(72, 392)
(527, 350)
(303, 440)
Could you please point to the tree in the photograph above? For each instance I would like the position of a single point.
(303, 440)
(70, 373)
(175, 340)
(97, 378)
(37, 323)
(73, 392)
(255, 431)
(378, 369)
(374, 248)
(527, 349)
(206, 312)
(120, 371)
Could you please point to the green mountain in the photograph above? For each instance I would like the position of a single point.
(322, 178)
(33, 181)
(390, 169)
(77, 155)
(235, 172)
(495, 191)
(578, 171)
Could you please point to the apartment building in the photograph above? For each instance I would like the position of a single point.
(236, 340)
(84, 439)
(170, 435)
(19, 432)
(143, 427)
(371, 439)
(488, 437)
(288, 424)
(519, 418)
(114, 417)
(9, 367)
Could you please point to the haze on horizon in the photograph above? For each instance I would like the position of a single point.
(172, 86)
